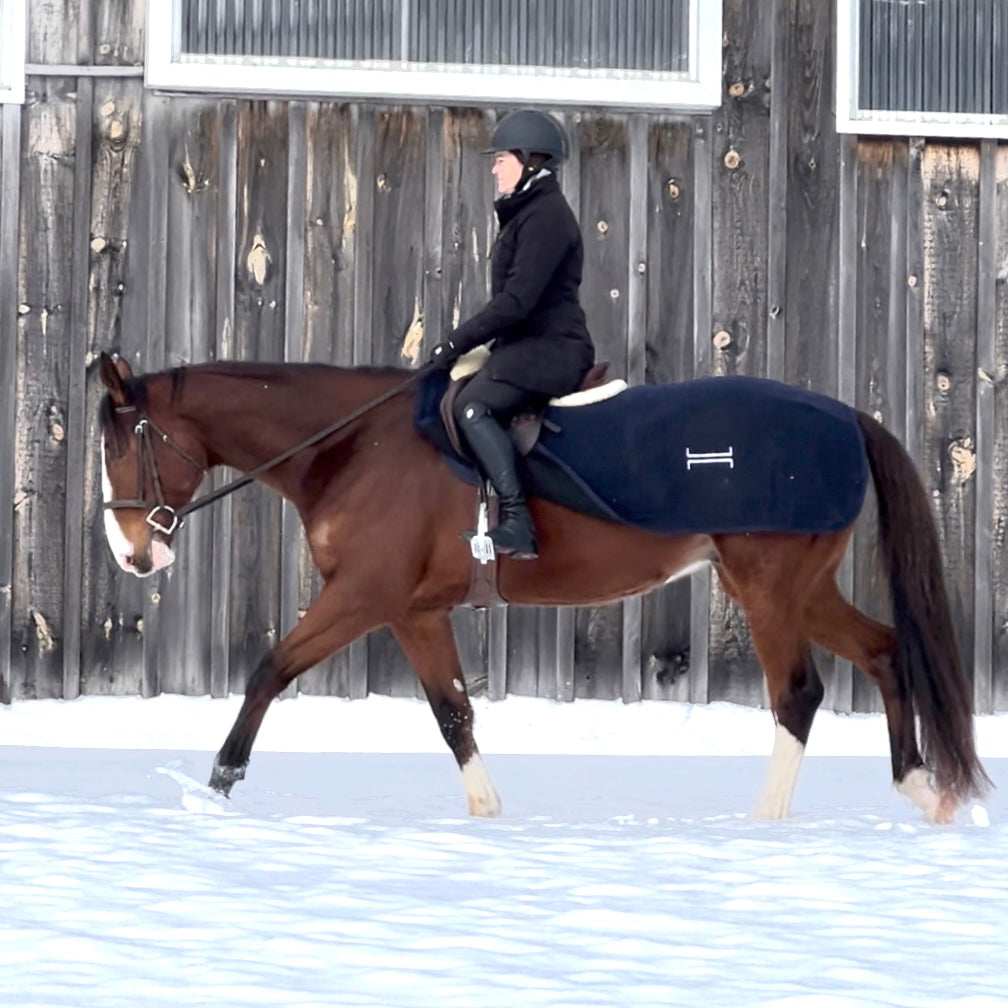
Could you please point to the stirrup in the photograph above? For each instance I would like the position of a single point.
(481, 545)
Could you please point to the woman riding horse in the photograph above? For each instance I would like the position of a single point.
(541, 346)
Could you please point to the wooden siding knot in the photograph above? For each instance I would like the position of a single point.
(602, 227)
(43, 632)
(57, 428)
(673, 189)
(258, 260)
(732, 159)
(413, 340)
(963, 459)
(722, 339)
(191, 181)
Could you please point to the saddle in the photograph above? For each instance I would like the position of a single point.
(526, 427)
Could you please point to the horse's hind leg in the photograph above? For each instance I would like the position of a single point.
(833, 623)
(429, 644)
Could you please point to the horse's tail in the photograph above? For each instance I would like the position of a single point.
(928, 667)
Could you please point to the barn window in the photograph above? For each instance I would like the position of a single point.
(923, 67)
(642, 53)
(12, 50)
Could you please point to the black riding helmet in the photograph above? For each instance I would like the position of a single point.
(528, 132)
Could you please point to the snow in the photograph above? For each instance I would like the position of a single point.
(343, 871)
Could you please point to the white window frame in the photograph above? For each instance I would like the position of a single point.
(894, 122)
(12, 51)
(698, 90)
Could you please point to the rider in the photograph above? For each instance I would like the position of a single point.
(541, 346)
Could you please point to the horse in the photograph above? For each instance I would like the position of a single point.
(163, 432)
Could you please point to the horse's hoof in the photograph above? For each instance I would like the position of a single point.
(222, 778)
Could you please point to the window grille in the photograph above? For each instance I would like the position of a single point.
(599, 52)
(929, 67)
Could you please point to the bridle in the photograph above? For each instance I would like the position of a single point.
(148, 463)
(165, 519)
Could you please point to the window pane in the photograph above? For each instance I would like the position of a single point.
(943, 56)
(648, 35)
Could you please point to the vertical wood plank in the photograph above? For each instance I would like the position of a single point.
(261, 227)
(916, 213)
(115, 123)
(565, 645)
(666, 658)
(365, 161)
(701, 589)
(999, 448)
(330, 270)
(839, 696)
(460, 229)
(223, 349)
(73, 526)
(293, 546)
(874, 212)
(158, 647)
(604, 182)
(986, 431)
(631, 689)
(810, 312)
(45, 265)
(739, 273)
(191, 168)
(10, 175)
(950, 177)
(398, 179)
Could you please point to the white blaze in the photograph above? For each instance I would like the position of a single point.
(118, 543)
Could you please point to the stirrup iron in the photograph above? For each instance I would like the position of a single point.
(481, 544)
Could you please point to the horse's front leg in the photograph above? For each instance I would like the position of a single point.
(429, 644)
(332, 622)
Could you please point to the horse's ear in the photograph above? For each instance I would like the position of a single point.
(114, 371)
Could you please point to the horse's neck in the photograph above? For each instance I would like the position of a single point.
(245, 420)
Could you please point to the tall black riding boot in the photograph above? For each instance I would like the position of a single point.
(492, 446)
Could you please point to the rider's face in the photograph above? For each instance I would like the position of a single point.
(506, 170)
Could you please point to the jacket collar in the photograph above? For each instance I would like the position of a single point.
(507, 206)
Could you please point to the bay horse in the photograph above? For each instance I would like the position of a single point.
(162, 432)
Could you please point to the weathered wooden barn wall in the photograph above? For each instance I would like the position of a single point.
(754, 240)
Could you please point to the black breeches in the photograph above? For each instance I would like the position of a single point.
(503, 399)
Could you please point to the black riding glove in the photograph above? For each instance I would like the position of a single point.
(444, 355)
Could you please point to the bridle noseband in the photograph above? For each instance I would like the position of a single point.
(160, 516)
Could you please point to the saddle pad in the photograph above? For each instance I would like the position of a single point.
(732, 454)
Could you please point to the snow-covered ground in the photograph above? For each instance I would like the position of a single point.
(344, 872)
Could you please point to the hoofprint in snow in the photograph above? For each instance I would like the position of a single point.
(625, 870)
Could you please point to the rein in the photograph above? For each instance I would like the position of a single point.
(148, 460)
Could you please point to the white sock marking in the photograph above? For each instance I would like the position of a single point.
(775, 802)
(917, 786)
(483, 800)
